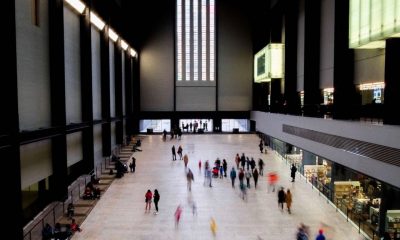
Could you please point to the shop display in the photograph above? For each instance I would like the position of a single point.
(294, 158)
(319, 172)
(344, 190)
(393, 221)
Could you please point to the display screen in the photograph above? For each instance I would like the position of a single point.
(261, 65)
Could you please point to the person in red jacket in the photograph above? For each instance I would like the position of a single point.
(148, 196)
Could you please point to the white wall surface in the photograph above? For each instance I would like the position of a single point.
(72, 67)
(112, 78)
(96, 74)
(36, 163)
(271, 124)
(327, 43)
(74, 148)
(369, 66)
(33, 76)
(300, 47)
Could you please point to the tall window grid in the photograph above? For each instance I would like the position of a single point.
(195, 40)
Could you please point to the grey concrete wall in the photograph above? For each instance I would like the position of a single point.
(72, 57)
(235, 57)
(33, 75)
(36, 163)
(96, 74)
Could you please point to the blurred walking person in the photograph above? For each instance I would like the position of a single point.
(186, 160)
(213, 226)
(173, 153)
(288, 200)
(199, 165)
(225, 166)
(178, 213)
(237, 160)
(180, 150)
(255, 176)
(190, 178)
(293, 170)
(272, 179)
(233, 176)
(248, 176)
(281, 198)
(261, 166)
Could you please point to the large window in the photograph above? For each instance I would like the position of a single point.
(195, 40)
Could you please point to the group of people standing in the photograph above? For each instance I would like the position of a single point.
(149, 196)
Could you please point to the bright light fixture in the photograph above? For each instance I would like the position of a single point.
(124, 45)
(373, 21)
(77, 5)
(113, 35)
(329, 90)
(373, 45)
(371, 86)
(96, 21)
(269, 63)
(132, 52)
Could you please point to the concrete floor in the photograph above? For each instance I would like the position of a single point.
(120, 214)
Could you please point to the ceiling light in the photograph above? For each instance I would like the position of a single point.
(113, 35)
(96, 21)
(77, 5)
(132, 52)
(124, 45)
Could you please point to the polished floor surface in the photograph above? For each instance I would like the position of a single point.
(120, 213)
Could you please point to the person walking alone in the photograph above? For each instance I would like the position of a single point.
(293, 170)
(156, 199)
(190, 178)
(225, 166)
(233, 176)
(255, 176)
(173, 153)
(180, 150)
(261, 166)
(186, 160)
(178, 213)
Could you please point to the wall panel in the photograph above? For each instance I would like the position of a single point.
(327, 43)
(96, 74)
(72, 67)
(300, 47)
(74, 148)
(112, 79)
(33, 77)
(36, 162)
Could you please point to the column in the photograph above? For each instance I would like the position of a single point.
(58, 183)
(290, 90)
(345, 99)
(128, 93)
(118, 94)
(9, 126)
(87, 94)
(312, 92)
(392, 82)
(105, 92)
